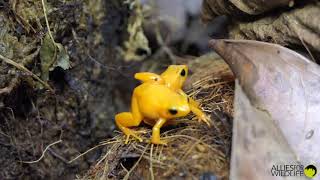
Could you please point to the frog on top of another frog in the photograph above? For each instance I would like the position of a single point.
(157, 101)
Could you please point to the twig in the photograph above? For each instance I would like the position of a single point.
(295, 30)
(163, 44)
(58, 156)
(125, 169)
(22, 68)
(304, 44)
(43, 153)
(150, 168)
(47, 22)
(4, 134)
(135, 165)
(103, 144)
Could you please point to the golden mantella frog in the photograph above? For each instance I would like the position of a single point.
(158, 100)
(174, 77)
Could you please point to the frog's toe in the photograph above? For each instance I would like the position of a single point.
(205, 119)
(129, 132)
(162, 142)
(142, 131)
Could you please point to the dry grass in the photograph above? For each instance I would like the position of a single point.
(193, 148)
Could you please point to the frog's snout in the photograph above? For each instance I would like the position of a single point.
(184, 110)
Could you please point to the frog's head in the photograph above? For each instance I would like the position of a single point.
(177, 108)
(175, 76)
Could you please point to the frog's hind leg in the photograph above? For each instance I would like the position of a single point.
(147, 77)
(127, 119)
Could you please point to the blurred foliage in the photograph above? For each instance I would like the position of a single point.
(137, 46)
(52, 55)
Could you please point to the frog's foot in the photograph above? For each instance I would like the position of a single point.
(205, 119)
(159, 141)
(128, 132)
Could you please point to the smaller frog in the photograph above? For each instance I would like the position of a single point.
(158, 100)
(174, 77)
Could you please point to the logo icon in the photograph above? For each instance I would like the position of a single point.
(310, 171)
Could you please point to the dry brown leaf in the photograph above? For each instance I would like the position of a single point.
(277, 118)
(254, 7)
(292, 28)
(214, 8)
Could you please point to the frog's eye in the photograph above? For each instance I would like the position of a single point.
(173, 111)
(183, 72)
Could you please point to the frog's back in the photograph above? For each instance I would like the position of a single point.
(151, 89)
(155, 92)
(156, 100)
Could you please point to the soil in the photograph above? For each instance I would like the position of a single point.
(78, 57)
(80, 110)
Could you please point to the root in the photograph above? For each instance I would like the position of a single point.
(43, 153)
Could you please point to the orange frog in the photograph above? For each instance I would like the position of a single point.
(158, 100)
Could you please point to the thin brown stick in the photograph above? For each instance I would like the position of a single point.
(151, 168)
(91, 150)
(135, 165)
(22, 68)
(47, 22)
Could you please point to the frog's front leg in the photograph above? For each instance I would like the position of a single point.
(147, 76)
(200, 114)
(127, 119)
(194, 107)
(155, 139)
